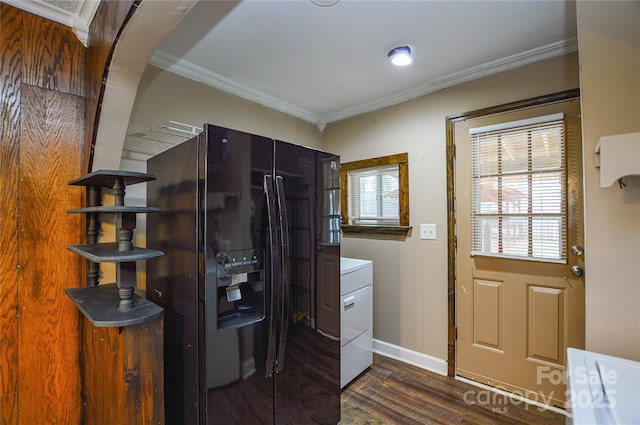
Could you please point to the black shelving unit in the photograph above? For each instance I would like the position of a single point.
(113, 304)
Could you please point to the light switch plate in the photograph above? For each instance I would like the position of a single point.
(427, 231)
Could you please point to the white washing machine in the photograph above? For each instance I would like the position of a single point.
(356, 318)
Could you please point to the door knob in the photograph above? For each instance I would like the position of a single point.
(577, 271)
(577, 250)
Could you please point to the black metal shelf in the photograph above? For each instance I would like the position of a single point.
(100, 305)
(110, 305)
(108, 178)
(108, 253)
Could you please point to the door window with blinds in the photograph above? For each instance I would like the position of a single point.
(518, 193)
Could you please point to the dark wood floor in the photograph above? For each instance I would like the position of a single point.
(393, 392)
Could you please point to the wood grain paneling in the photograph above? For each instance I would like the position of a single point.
(124, 375)
(144, 373)
(50, 156)
(102, 397)
(53, 57)
(104, 28)
(42, 86)
(10, 78)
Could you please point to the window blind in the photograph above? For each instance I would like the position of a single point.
(518, 193)
(374, 195)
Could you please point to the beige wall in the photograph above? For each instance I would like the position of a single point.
(163, 96)
(410, 277)
(609, 46)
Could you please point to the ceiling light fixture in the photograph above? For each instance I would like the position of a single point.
(400, 56)
(324, 3)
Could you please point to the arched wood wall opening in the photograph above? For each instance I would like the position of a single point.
(141, 34)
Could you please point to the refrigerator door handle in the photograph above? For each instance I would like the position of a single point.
(273, 280)
(284, 271)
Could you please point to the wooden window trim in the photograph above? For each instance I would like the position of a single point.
(383, 232)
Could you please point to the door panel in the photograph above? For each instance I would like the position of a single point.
(516, 318)
(545, 319)
(487, 314)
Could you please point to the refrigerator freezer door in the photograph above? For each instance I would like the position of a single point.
(308, 386)
(240, 219)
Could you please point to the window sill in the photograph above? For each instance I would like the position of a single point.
(377, 232)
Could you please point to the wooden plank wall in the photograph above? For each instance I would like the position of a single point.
(127, 386)
(10, 80)
(42, 84)
(44, 112)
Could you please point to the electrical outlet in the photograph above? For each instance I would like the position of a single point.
(427, 231)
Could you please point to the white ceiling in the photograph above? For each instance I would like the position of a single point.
(325, 63)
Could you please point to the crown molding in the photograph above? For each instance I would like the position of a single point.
(187, 69)
(191, 71)
(488, 68)
(78, 22)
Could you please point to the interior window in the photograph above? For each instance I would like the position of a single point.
(519, 207)
(376, 197)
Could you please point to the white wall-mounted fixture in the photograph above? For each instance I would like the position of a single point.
(428, 231)
(400, 56)
(618, 156)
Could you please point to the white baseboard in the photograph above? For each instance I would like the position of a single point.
(424, 361)
(513, 397)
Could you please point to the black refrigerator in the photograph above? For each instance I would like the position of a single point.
(250, 279)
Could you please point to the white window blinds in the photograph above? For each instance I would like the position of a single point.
(518, 193)
(374, 196)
